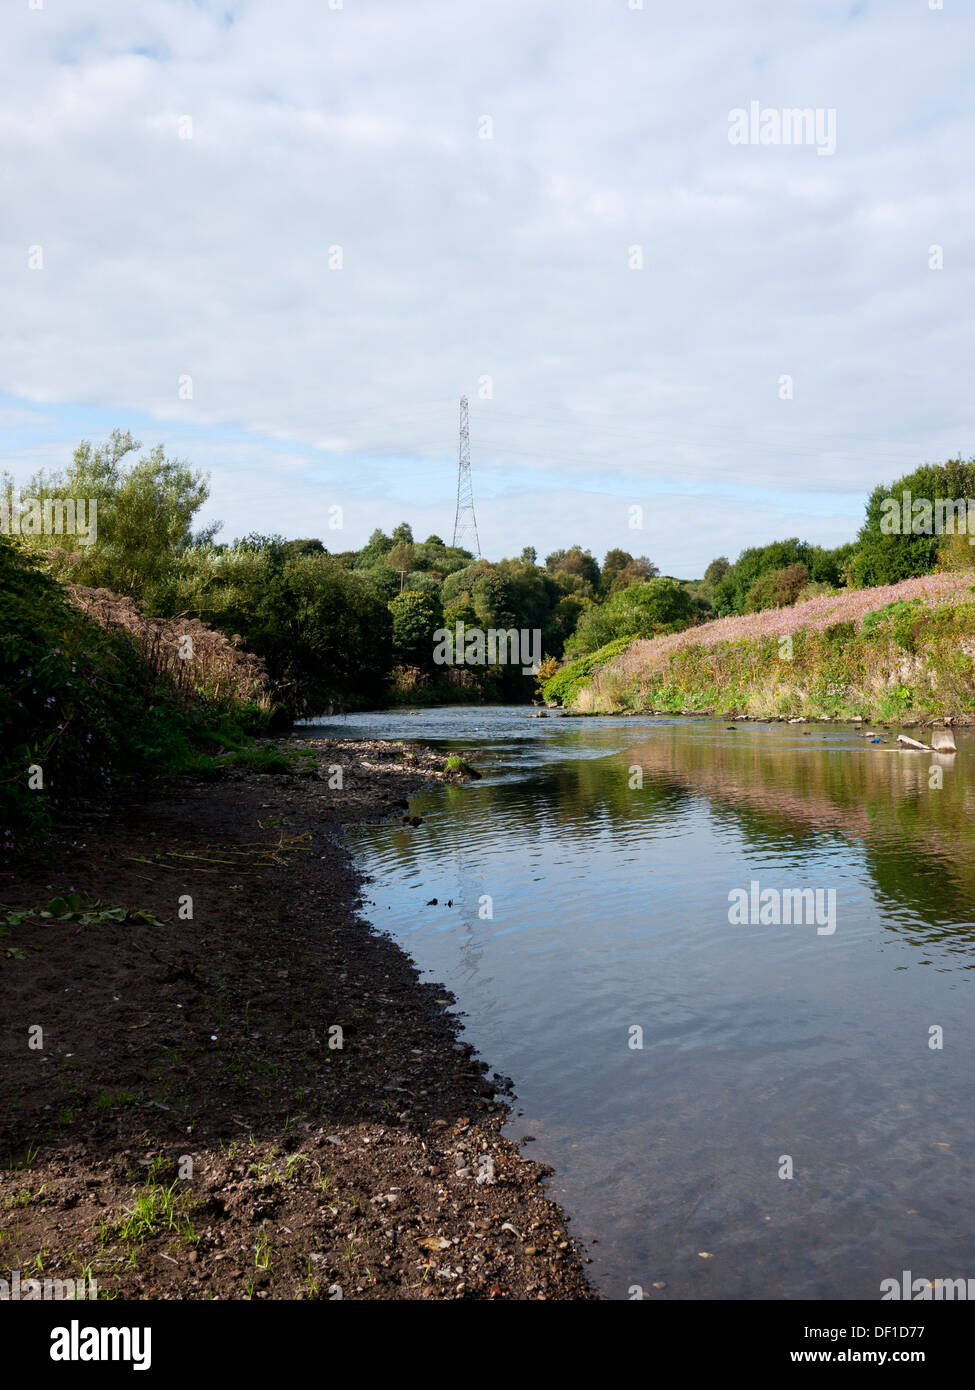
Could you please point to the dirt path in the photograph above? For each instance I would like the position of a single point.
(185, 1125)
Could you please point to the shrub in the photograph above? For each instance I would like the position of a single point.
(894, 620)
(67, 693)
(777, 589)
(642, 610)
(79, 703)
(563, 686)
(955, 553)
(824, 566)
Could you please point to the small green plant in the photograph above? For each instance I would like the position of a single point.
(75, 907)
(455, 763)
(262, 1250)
(156, 1209)
(107, 1100)
(22, 1198)
(265, 759)
(26, 1160)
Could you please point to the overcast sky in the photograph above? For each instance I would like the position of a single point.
(193, 173)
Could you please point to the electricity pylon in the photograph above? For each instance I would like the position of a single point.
(465, 522)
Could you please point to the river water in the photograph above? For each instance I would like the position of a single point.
(588, 878)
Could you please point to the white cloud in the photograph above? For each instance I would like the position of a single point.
(506, 258)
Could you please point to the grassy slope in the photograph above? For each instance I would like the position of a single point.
(904, 651)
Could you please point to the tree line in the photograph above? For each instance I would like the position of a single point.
(356, 627)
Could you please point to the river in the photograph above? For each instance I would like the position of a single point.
(674, 1066)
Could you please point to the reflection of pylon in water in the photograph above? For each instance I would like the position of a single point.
(465, 522)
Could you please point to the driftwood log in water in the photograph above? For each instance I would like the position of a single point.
(913, 745)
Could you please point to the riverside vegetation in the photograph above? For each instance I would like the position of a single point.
(98, 682)
(910, 658)
(793, 640)
(156, 647)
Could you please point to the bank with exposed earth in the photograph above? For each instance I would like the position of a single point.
(193, 1123)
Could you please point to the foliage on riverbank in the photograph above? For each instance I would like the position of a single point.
(564, 686)
(90, 696)
(885, 554)
(904, 652)
(347, 628)
(358, 628)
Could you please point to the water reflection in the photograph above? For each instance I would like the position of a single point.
(589, 876)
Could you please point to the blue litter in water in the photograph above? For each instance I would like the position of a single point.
(876, 740)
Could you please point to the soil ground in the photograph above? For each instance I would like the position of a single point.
(186, 1124)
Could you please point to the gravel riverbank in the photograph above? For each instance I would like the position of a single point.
(189, 1126)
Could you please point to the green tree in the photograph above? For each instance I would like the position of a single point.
(145, 514)
(643, 610)
(731, 591)
(885, 556)
(621, 569)
(575, 570)
(323, 631)
(416, 616)
(402, 556)
(375, 550)
(614, 562)
(717, 570)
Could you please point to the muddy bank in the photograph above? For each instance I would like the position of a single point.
(260, 1099)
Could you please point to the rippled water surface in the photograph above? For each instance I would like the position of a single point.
(610, 912)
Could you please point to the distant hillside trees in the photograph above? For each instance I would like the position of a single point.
(885, 556)
(731, 593)
(640, 610)
(416, 616)
(621, 569)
